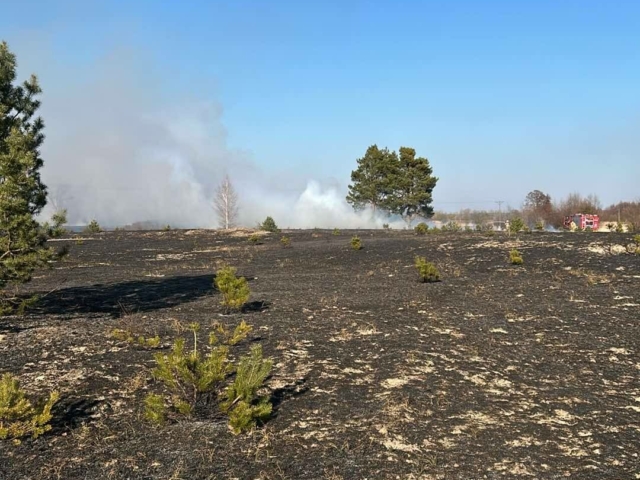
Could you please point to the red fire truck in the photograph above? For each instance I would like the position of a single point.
(582, 221)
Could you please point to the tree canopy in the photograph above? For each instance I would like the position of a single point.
(397, 183)
(22, 193)
(537, 207)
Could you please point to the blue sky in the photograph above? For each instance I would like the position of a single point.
(502, 96)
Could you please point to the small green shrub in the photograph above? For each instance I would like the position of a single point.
(468, 229)
(93, 227)
(336, 231)
(269, 225)
(539, 226)
(154, 409)
(18, 417)
(255, 239)
(451, 227)
(285, 242)
(515, 257)
(188, 375)
(516, 225)
(356, 243)
(235, 290)
(619, 227)
(242, 404)
(427, 270)
(636, 240)
(421, 228)
(386, 226)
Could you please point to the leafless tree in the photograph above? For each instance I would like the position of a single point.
(59, 197)
(226, 204)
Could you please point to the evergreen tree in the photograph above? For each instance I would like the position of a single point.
(412, 187)
(372, 180)
(22, 193)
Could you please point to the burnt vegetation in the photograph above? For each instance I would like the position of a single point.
(288, 349)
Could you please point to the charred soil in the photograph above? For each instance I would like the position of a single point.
(496, 371)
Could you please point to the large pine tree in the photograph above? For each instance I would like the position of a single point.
(22, 193)
(413, 187)
(401, 184)
(371, 181)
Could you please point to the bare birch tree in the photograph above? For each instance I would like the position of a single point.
(226, 204)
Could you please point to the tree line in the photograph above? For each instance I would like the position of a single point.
(540, 207)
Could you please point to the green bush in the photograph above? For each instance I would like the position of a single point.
(427, 270)
(356, 243)
(285, 242)
(619, 227)
(18, 417)
(255, 239)
(386, 226)
(515, 257)
(235, 290)
(421, 228)
(93, 227)
(242, 403)
(188, 375)
(451, 227)
(269, 225)
(516, 225)
(539, 226)
(336, 231)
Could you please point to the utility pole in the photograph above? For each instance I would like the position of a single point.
(500, 202)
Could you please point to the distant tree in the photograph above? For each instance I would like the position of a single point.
(371, 181)
(575, 203)
(537, 206)
(22, 194)
(226, 204)
(628, 212)
(411, 187)
(269, 225)
(94, 227)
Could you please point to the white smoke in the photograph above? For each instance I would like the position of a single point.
(119, 152)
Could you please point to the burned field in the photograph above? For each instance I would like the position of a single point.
(497, 370)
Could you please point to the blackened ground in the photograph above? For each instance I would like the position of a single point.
(497, 371)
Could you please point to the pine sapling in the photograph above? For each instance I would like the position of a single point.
(421, 228)
(426, 270)
(515, 257)
(18, 417)
(235, 290)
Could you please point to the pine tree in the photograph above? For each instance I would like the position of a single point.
(413, 186)
(22, 193)
(371, 181)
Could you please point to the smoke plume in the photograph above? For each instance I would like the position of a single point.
(120, 152)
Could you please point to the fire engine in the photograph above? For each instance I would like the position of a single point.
(582, 221)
